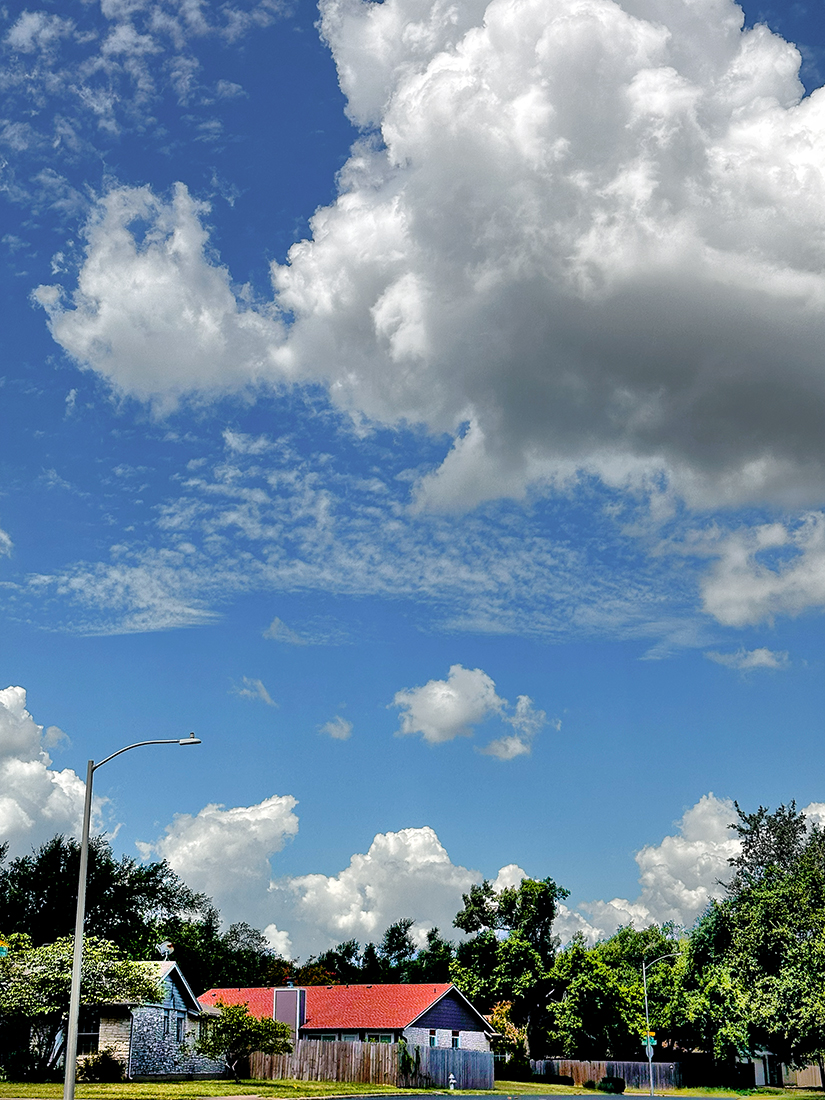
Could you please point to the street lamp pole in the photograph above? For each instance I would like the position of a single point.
(70, 1054)
(648, 1043)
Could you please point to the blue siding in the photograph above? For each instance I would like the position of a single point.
(450, 1013)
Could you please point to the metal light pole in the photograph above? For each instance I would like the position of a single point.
(70, 1055)
(648, 1043)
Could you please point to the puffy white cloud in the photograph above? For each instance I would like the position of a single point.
(225, 852)
(768, 570)
(621, 275)
(745, 660)
(678, 877)
(155, 317)
(442, 710)
(338, 728)
(36, 800)
(254, 689)
(403, 874)
(5, 544)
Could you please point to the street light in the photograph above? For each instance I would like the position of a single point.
(70, 1055)
(648, 1043)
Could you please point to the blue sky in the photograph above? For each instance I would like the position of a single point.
(422, 404)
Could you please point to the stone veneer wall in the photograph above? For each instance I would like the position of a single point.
(156, 1054)
(467, 1040)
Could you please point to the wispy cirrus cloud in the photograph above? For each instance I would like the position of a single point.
(746, 660)
(252, 688)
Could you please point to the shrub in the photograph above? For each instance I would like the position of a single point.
(589, 1084)
(611, 1084)
(102, 1066)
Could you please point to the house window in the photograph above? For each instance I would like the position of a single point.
(432, 1037)
(88, 1031)
(328, 1038)
(456, 1040)
(379, 1038)
(180, 1028)
(351, 1036)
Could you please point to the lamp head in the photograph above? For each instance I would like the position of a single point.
(190, 740)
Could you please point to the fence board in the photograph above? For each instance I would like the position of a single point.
(666, 1075)
(375, 1064)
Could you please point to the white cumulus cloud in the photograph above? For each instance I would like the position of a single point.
(677, 877)
(36, 800)
(403, 874)
(442, 710)
(621, 275)
(155, 316)
(225, 852)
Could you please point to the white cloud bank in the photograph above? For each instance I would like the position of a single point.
(442, 710)
(409, 873)
(622, 274)
(36, 800)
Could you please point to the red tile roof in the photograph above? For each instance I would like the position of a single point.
(344, 1007)
(259, 999)
(360, 1006)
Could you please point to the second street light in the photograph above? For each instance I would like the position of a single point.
(70, 1055)
(649, 1040)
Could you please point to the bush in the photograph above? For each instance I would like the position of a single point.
(611, 1084)
(589, 1084)
(102, 1066)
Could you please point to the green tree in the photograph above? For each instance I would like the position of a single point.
(432, 962)
(595, 1014)
(127, 902)
(235, 1034)
(512, 952)
(768, 841)
(35, 985)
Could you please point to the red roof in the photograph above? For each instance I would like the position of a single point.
(344, 1006)
(258, 998)
(358, 1006)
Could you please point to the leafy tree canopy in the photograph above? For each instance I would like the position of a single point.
(35, 987)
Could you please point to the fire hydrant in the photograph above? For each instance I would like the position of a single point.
(452, 1081)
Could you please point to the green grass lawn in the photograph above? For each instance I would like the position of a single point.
(193, 1090)
(190, 1090)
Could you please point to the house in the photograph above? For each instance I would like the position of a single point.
(151, 1040)
(425, 1014)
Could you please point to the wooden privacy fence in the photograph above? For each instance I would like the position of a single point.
(666, 1075)
(375, 1064)
(472, 1069)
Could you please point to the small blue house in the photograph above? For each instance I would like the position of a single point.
(153, 1041)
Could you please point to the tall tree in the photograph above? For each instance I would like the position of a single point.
(768, 840)
(512, 952)
(127, 902)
